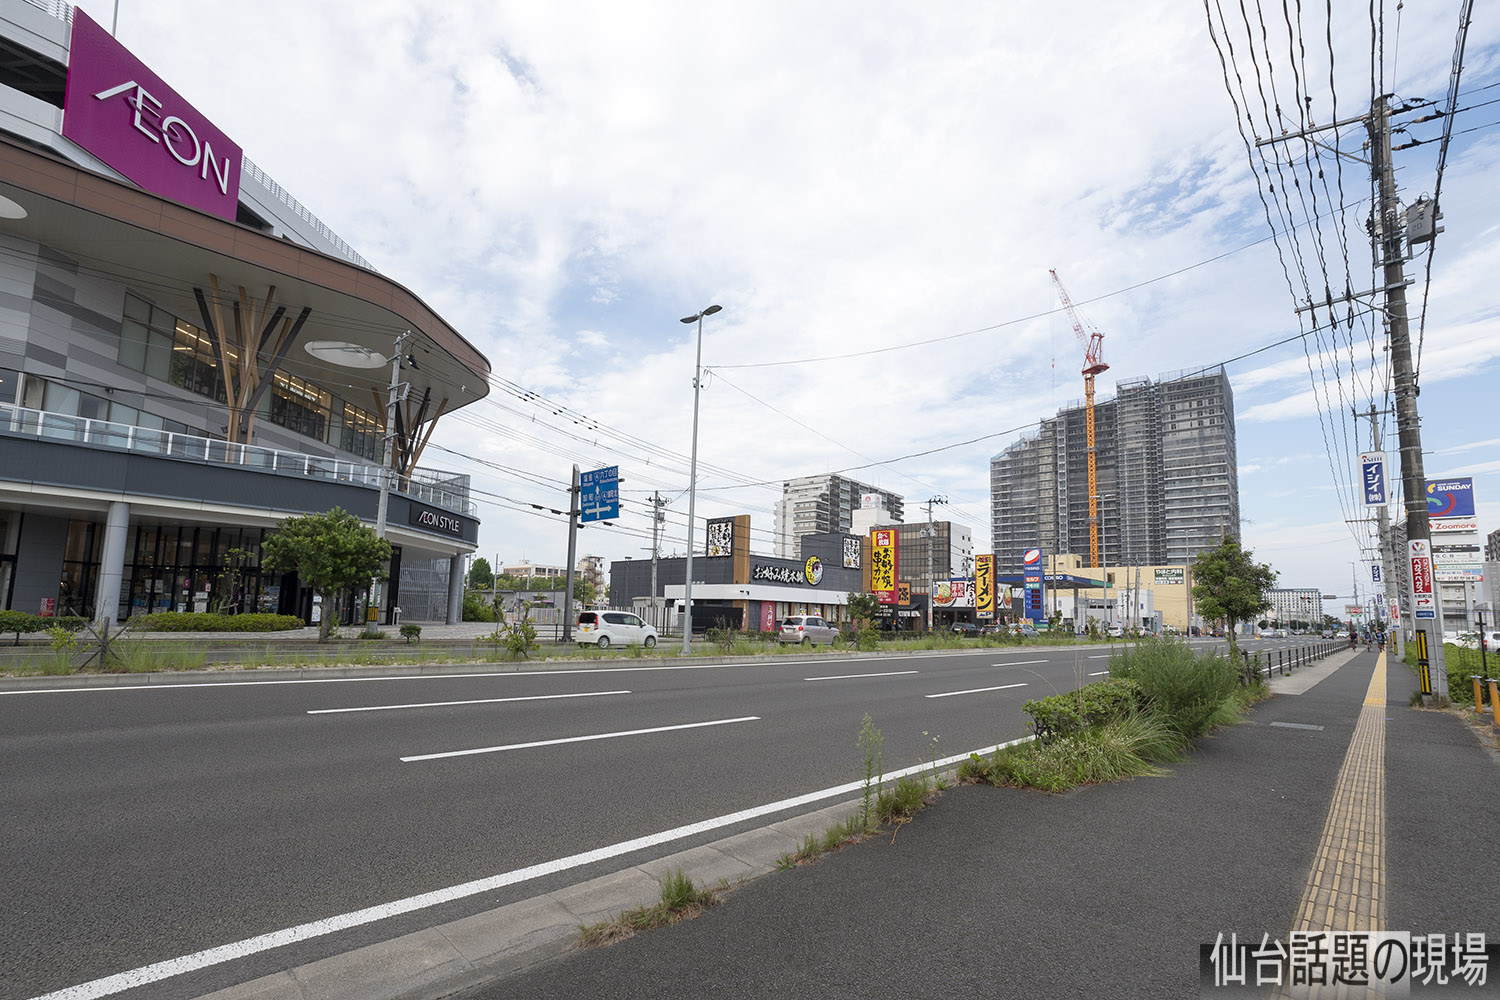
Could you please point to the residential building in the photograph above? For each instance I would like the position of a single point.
(189, 356)
(822, 504)
(1165, 465)
(1295, 604)
(528, 570)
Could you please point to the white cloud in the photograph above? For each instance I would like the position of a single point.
(564, 183)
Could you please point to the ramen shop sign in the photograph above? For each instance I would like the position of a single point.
(124, 114)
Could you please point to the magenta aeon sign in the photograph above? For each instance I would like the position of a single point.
(124, 114)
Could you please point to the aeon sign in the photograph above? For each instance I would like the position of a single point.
(124, 114)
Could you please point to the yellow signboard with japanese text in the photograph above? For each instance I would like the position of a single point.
(984, 586)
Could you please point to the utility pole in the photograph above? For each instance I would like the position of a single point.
(575, 495)
(395, 396)
(931, 557)
(657, 517)
(1408, 426)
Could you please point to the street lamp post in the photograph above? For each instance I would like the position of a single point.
(687, 590)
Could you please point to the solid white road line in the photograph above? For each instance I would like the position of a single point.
(848, 677)
(576, 739)
(1098, 673)
(950, 694)
(475, 701)
(209, 685)
(1101, 656)
(1018, 663)
(155, 973)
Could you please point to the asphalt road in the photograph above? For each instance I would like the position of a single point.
(145, 824)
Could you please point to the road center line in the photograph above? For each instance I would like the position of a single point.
(1018, 663)
(950, 694)
(576, 739)
(235, 950)
(848, 677)
(474, 701)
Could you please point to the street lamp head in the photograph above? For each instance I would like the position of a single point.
(695, 317)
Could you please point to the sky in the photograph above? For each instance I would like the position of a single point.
(874, 192)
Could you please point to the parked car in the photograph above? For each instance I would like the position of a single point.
(1116, 631)
(966, 629)
(807, 630)
(613, 628)
(1026, 630)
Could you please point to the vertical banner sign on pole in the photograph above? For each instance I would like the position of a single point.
(1424, 604)
(1372, 468)
(984, 587)
(883, 565)
(1035, 593)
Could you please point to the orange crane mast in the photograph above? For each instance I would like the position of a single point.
(1093, 344)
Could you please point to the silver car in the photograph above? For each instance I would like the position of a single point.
(807, 630)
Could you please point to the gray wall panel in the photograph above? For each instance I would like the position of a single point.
(39, 559)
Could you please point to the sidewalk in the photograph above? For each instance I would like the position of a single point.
(1103, 891)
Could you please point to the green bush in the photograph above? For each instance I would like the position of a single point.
(20, 622)
(476, 608)
(411, 633)
(1462, 663)
(187, 621)
(1077, 712)
(1189, 689)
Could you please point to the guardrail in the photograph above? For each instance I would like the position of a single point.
(1287, 660)
(23, 422)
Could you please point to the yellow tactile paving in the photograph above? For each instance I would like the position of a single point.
(1346, 886)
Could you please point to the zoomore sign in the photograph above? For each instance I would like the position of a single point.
(443, 522)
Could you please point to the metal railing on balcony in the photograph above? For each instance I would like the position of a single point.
(447, 490)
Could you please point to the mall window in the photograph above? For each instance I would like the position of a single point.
(9, 383)
(194, 367)
(360, 433)
(300, 406)
(163, 346)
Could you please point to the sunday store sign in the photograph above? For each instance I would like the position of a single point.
(124, 114)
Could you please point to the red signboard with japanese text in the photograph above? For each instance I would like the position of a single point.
(1424, 602)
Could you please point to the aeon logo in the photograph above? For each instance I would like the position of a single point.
(441, 522)
(172, 132)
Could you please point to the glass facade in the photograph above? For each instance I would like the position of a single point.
(167, 347)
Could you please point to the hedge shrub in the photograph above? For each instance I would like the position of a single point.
(1083, 710)
(188, 621)
(20, 622)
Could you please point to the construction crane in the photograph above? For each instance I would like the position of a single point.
(1093, 343)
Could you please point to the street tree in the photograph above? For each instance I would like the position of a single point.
(584, 591)
(329, 552)
(1229, 584)
(481, 577)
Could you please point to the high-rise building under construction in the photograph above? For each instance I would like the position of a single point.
(1168, 487)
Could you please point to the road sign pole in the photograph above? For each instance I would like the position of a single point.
(574, 495)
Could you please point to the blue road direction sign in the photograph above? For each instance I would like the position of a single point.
(599, 494)
(1372, 469)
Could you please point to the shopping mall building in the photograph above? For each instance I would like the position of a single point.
(188, 356)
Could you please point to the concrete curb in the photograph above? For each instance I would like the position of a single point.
(439, 961)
